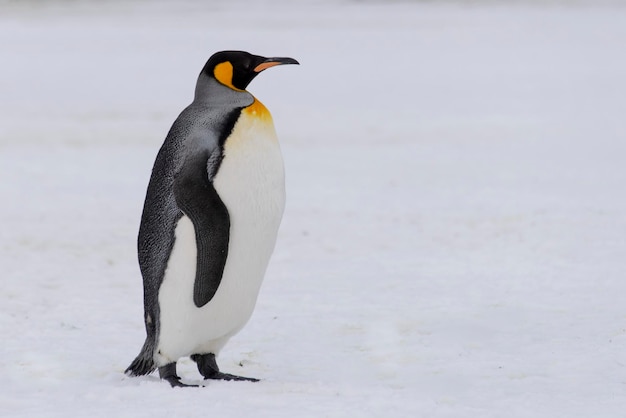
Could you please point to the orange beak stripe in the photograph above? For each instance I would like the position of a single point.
(264, 66)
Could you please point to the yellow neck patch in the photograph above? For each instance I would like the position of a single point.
(258, 110)
(223, 72)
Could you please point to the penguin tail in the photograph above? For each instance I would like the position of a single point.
(144, 363)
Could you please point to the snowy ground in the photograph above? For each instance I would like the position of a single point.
(455, 237)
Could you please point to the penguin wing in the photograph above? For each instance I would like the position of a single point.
(198, 199)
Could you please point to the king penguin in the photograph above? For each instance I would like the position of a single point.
(210, 218)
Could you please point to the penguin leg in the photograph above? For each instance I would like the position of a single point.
(168, 372)
(207, 366)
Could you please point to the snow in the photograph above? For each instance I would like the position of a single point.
(454, 238)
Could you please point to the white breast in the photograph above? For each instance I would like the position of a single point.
(250, 182)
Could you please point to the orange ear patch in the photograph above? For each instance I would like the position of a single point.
(223, 72)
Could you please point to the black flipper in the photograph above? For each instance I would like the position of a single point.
(197, 198)
(207, 366)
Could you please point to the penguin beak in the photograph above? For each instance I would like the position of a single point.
(271, 62)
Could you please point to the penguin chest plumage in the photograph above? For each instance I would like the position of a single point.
(250, 182)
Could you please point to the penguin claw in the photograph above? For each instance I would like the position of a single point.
(207, 366)
(229, 377)
(176, 383)
(168, 373)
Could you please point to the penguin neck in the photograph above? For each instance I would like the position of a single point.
(211, 92)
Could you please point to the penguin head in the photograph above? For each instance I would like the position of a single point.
(236, 69)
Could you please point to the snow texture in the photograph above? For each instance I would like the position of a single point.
(454, 242)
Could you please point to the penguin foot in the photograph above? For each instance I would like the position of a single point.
(207, 366)
(175, 382)
(228, 376)
(168, 373)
